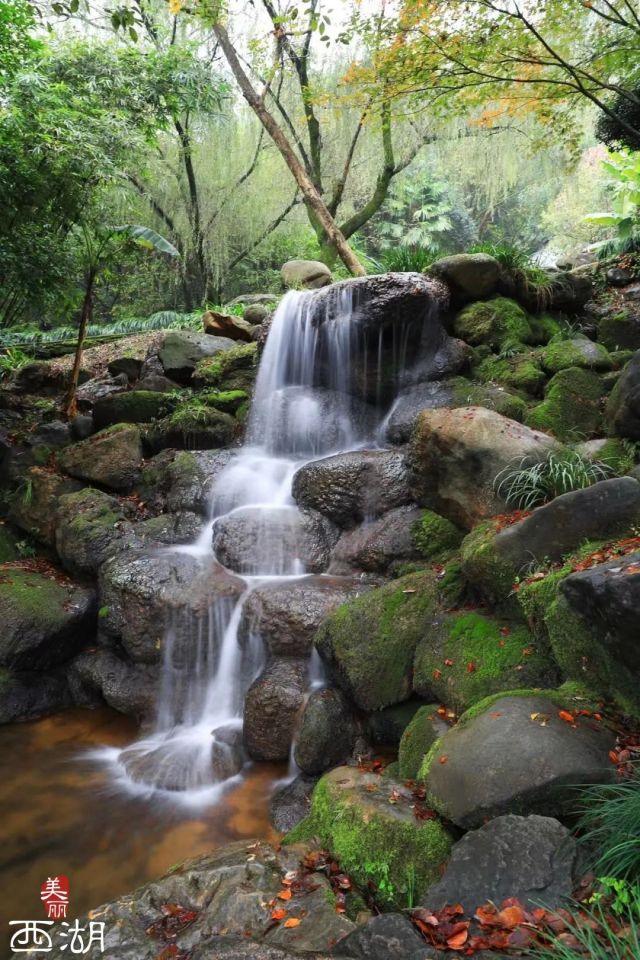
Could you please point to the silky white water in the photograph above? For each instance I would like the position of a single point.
(303, 409)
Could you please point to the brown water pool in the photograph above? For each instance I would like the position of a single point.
(59, 815)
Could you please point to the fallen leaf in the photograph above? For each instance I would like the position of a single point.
(292, 922)
(436, 674)
(278, 914)
(443, 759)
(471, 668)
(566, 716)
(284, 895)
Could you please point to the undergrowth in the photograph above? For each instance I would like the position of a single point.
(526, 485)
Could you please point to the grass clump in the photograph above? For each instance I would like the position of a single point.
(526, 485)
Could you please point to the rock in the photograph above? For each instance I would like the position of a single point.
(623, 408)
(620, 330)
(181, 351)
(34, 506)
(368, 644)
(576, 353)
(499, 323)
(311, 274)
(255, 313)
(572, 406)
(45, 620)
(233, 369)
(373, 839)
(617, 277)
(158, 383)
(530, 858)
(248, 299)
(592, 625)
(455, 456)
(389, 936)
(130, 366)
(226, 892)
(38, 376)
(326, 734)
(93, 390)
(484, 777)
(183, 480)
(53, 434)
(522, 372)
(82, 426)
(410, 403)
(349, 487)
(271, 706)
(165, 765)
(28, 696)
(468, 656)
(130, 688)
(274, 541)
(141, 592)
(169, 529)
(291, 804)
(91, 527)
(379, 545)
(134, 406)
(569, 291)
(8, 548)
(424, 729)
(435, 537)
(287, 616)
(471, 276)
(225, 325)
(387, 726)
(193, 426)
(111, 458)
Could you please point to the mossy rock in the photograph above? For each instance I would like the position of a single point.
(134, 406)
(491, 576)
(620, 358)
(434, 536)
(464, 393)
(544, 327)
(111, 458)
(581, 353)
(368, 824)
(470, 655)
(234, 369)
(91, 528)
(368, 644)
(620, 331)
(499, 323)
(8, 549)
(520, 372)
(621, 455)
(228, 401)
(419, 736)
(572, 407)
(193, 426)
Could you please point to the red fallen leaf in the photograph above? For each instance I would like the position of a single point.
(527, 652)
(566, 716)
(278, 914)
(505, 631)
(284, 895)
(487, 915)
(511, 916)
(471, 667)
(458, 939)
(436, 674)
(494, 716)
(448, 662)
(613, 756)
(443, 759)
(442, 711)
(292, 922)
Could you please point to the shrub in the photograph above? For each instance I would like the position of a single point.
(527, 485)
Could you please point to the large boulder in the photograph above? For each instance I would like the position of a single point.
(140, 592)
(499, 324)
(181, 351)
(368, 644)
(227, 325)
(28, 695)
(350, 487)
(274, 541)
(287, 616)
(134, 406)
(424, 729)
(271, 706)
(572, 405)
(471, 276)
(530, 858)
(623, 408)
(327, 732)
(474, 773)
(98, 388)
(592, 625)
(379, 545)
(182, 480)
(581, 352)
(111, 458)
(193, 426)
(45, 618)
(232, 369)
(369, 824)
(310, 274)
(389, 936)
(91, 527)
(129, 688)
(456, 455)
(34, 505)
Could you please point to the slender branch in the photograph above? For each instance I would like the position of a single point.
(265, 233)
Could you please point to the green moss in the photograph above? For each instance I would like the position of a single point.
(571, 409)
(621, 331)
(501, 323)
(134, 406)
(520, 372)
(487, 573)
(467, 394)
(417, 739)
(32, 596)
(194, 425)
(470, 655)
(434, 536)
(563, 354)
(90, 510)
(544, 327)
(620, 358)
(216, 371)
(228, 401)
(373, 844)
(8, 550)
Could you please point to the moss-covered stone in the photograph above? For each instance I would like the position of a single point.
(419, 736)
(111, 458)
(582, 353)
(373, 839)
(8, 549)
(572, 408)
(434, 536)
(544, 327)
(519, 372)
(91, 528)
(620, 358)
(193, 426)
(387, 726)
(134, 406)
(228, 401)
(621, 455)
(620, 331)
(470, 655)
(34, 503)
(234, 369)
(368, 644)
(468, 394)
(501, 323)
(490, 576)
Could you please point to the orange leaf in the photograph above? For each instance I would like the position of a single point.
(510, 917)
(458, 940)
(566, 716)
(292, 922)
(284, 895)
(444, 759)
(448, 662)
(278, 914)
(471, 668)
(613, 756)
(436, 674)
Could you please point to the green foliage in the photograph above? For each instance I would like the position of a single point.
(526, 485)
(11, 360)
(596, 938)
(407, 258)
(610, 814)
(163, 320)
(624, 216)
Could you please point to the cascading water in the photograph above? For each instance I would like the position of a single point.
(305, 407)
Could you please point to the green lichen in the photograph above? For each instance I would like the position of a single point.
(544, 327)
(563, 354)
(520, 372)
(500, 323)
(468, 394)
(434, 536)
(620, 358)
(417, 739)
(572, 408)
(220, 370)
(470, 655)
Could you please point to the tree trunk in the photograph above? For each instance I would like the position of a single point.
(307, 188)
(71, 407)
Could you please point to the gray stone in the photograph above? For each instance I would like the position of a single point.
(530, 858)
(130, 366)
(94, 390)
(52, 434)
(310, 274)
(130, 688)
(91, 528)
(617, 277)
(350, 487)
(169, 528)
(271, 707)
(471, 276)
(327, 732)
(379, 545)
(623, 408)
(111, 458)
(28, 696)
(410, 403)
(34, 506)
(516, 756)
(182, 349)
(82, 426)
(255, 313)
(291, 803)
(390, 936)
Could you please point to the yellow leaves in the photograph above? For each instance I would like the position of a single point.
(175, 6)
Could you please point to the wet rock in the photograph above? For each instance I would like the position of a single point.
(169, 528)
(471, 276)
(130, 688)
(410, 403)
(141, 594)
(387, 726)
(91, 527)
(389, 936)
(326, 734)
(287, 616)
(377, 546)
(310, 274)
(28, 696)
(253, 540)
(181, 351)
(34, 506)
(349, 487)
(291, 803)
(529, 858)
(182, 480)
(193, 426)
(133, 406)
(484, 777)
(455, 456)
(93, 390)
(169, 764)
(53, 434)
(419, 736)
(271, 707)
(225, 325)
(130, 366)
(623, 408)
(82, 426)
(111, 458)
(45, 620)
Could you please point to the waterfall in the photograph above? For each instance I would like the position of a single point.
(307, 404)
